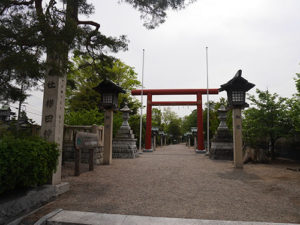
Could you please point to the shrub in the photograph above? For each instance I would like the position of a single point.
(26, 162)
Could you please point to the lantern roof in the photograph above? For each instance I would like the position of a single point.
(155, 129)
(161, 133)
(107, 86)
(125, 108)
(194, 129)
(222, 109)
(237, 83)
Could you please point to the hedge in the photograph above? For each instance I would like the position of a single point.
(26, 162)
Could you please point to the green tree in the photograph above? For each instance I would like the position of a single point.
(33, 29)
(267, 121)
(174, 127)
(189, 121)
(168, 115)
(297, 79)
(82, 80)
(157, 118)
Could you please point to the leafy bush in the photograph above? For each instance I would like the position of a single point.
(26, 162)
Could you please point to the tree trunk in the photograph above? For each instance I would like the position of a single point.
(272, 148)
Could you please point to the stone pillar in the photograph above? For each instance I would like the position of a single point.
(53, 116)
(108, 134)
(195, 142)
(161, 140)
(237, 138)
(189, 141)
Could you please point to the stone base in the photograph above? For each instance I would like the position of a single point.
(201, 151)
(221, 150)
(124, 148)
(148, 150)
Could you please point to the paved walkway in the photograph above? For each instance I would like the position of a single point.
(176, 182)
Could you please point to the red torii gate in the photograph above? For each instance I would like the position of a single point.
(150, 103)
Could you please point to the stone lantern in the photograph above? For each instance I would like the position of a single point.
(109, 101)
(6, 113)
(189, 135)
(162, 135)
(109, 94)
(124, 144)
(236, 90)
(221, 145)
(194, 131)
(154, 131)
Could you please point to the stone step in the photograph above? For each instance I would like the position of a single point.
(65, 217)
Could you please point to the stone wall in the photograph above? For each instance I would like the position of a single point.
(68, 144)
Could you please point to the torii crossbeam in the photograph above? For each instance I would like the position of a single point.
(150, 103)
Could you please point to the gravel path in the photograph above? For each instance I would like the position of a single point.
(174, 181)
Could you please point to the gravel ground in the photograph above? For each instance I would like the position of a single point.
(174, 181)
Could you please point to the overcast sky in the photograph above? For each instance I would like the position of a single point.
(261, 37)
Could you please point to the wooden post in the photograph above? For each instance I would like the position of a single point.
(77, 161)
(237, 138)
(91, 159)
(108, 133)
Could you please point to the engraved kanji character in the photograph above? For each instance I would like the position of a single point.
(48, 118)
(51, 84)
(49, 103)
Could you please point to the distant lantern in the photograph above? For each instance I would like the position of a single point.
(155, 130)
(236, 90)
(109, 94)
(194, 130)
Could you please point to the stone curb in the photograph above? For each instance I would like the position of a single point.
(88, 218)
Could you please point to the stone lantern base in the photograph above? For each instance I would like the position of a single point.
(222, 146)
(124, 145)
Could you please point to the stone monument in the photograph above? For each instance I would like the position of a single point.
(53, 116)
(124, 144)
(222, 146)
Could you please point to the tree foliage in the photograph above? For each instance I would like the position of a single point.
(297, 79)
(82, 80)
(36, 37)
(267, 121)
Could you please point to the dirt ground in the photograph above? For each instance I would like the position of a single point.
(174, 181)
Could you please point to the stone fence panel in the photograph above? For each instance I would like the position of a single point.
(69, 148)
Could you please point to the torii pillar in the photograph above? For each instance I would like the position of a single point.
(200, 139)
(148, 124)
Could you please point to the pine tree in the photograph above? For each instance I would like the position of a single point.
(37, 36)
